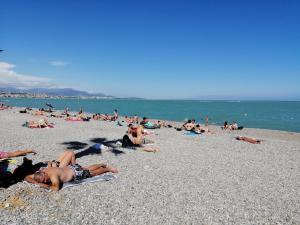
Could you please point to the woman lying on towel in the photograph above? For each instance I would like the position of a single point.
(42, 123)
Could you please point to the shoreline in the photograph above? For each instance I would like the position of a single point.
(215, 127)
(289, 123)
(202, 179)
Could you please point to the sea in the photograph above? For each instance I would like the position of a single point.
(274, 115)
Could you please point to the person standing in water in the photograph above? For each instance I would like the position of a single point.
(206, 120)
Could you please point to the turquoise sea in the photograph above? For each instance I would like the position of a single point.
(276, 115)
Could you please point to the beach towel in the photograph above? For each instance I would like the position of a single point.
(190, 133)
(102, 177)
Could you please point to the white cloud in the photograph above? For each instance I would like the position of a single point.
(10, 78)
(58, 63)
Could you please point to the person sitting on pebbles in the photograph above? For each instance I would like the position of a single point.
(135, 138)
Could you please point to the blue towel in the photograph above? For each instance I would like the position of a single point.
(190, 133)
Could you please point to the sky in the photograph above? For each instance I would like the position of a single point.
(154, 49)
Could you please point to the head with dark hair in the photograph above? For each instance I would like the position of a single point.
(41, 177)
(126, 142)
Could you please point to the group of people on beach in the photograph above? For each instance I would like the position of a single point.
(65, 167)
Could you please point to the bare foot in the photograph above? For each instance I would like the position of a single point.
(31, 151)
(112, 169)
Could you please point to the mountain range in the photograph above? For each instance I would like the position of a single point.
(52, 92)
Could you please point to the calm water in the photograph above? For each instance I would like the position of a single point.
(256, 114)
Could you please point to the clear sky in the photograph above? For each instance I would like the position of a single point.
(154, 49)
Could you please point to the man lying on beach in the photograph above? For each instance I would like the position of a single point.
(16, 153)
(65, 169)
(66, 158)
(247, 139)
(53, 177)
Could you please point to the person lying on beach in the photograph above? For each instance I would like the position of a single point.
(247, 139)
(233, 126)
(189, 125)
(53, 177)
(147, 124)
(200, 130)
(78, 118)
(42, 123)
(66, 158)
(96, 116)
(56, 115)
(128, 119)
(16, 153)
(162, 123)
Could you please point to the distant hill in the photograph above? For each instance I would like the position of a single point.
(52, 91)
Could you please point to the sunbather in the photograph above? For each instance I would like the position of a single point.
(16, 153)
(53, 177)
(66, 158)
(42, 123)
(189, 125)
(247, 139)
(39, 112)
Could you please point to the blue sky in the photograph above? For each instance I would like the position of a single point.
(154, 49)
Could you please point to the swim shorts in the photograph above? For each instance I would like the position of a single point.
(79, 172)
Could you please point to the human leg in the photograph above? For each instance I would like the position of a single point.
(66, 158)
(98, 169)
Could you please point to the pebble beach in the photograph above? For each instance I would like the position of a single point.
(200, 179)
